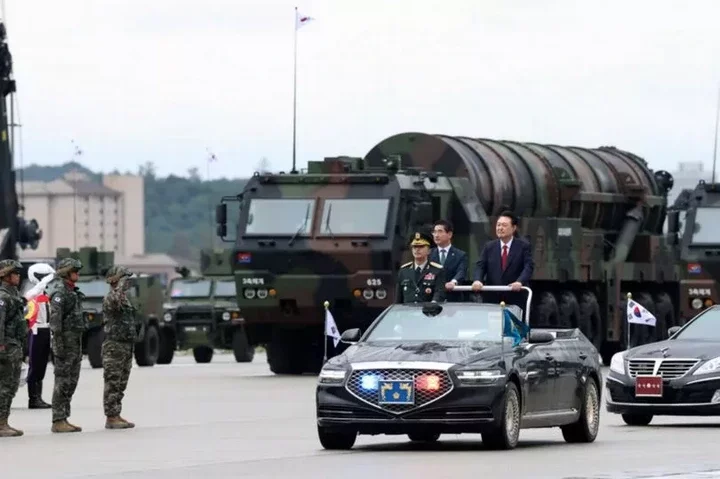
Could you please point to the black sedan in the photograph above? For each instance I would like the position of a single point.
(451, 368)
(676, 377)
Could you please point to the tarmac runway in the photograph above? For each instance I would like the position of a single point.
(230, 420)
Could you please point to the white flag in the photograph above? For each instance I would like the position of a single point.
(331, 328)
(637, 314)
(301, 20)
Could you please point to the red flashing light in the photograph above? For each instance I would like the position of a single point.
(430, 382)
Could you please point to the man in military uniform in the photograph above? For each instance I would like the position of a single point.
(67, 325)
(420, 280)
(13, 341)
(117, 350)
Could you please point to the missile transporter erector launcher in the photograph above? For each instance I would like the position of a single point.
(146, 294)
(201, 312)
(594, 218)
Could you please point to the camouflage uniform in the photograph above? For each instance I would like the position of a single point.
(117, 349)
(13, 342)
(67, 325)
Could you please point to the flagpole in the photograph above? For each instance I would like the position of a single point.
(327, 305)
(294, 92)
(629, 297)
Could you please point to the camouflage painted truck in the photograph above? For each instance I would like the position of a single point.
(339, 233)
(146, 294)
(201, 312)
(697, 238)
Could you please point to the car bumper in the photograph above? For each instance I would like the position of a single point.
(465, 409)
(685, 396)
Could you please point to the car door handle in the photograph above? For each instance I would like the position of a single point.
(582, 356)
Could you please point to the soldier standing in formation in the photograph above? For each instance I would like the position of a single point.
(117, 349)
(420, 280)
(67, 325)
(13, 341)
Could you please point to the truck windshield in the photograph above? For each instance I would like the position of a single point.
(271, 217)
(354, 216)
(225, 288)
(96, 288)
(707, 226)
(190, 288)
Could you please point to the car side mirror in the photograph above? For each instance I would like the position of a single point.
(351, 336)
(673, 330)
(540, 337)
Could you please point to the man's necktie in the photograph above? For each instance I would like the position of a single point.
(417, 273)
(504, 258)
(442, 256)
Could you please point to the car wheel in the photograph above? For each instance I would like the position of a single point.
(637, 419)
(586, 427)
(335, 439)
(424, 437)
(505, 435)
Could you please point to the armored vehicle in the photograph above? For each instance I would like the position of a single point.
(339, 232)
(146, 294)
(201, 312)
(698, 242)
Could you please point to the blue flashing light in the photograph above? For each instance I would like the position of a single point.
(369, 382)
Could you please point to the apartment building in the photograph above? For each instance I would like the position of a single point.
(74, 212)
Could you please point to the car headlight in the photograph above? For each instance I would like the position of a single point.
(697, 303)
(617, 363)
(711, 366)
(226, 316)
(167, 317)
(331, 376)
(479, 376)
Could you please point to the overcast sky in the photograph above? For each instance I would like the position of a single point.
(162, 80)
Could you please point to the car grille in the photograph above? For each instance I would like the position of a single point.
(422, 395)
(669, 368)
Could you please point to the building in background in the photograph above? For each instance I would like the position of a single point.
(74, 212)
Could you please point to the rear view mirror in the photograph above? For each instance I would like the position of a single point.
(221, 214)
(673, 330)
(540, 337)
(351, 336)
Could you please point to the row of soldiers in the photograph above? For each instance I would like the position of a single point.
(67, 325)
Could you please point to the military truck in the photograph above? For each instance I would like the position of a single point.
(339, 232)
(698, 241)
(146, 294)
(201, 313)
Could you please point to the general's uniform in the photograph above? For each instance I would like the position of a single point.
(420, 283)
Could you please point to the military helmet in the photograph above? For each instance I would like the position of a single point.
(8, 266)
(68, 265)
(115, 273)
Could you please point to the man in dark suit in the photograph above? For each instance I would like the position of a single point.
(506, 261)
(453, 260)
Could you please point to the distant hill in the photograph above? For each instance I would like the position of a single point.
(178, 210)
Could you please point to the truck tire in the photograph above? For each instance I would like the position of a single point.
(203, 354)
(94, 347)
(167, 347)
(243, 351)
(148, 349)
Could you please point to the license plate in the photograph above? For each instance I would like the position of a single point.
(648, 386)
(396, 392)
(190, 328)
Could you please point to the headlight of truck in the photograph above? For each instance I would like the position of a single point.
(478, 376)
(331, 376)
(617, 363)
(711, 366)
(226, 316)
(167, 317)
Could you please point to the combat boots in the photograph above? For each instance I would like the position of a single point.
(7, 431)
(35, 394)
(117, 422)
(64, 426)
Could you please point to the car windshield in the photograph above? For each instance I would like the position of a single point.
(190, 288)
(271, 217)
(354, 216)
(704, 327)
(707, 226)
(96, 288)
(225, 288)
(454, 323)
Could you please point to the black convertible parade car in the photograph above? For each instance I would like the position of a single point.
(450, 368)
(676, 377)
